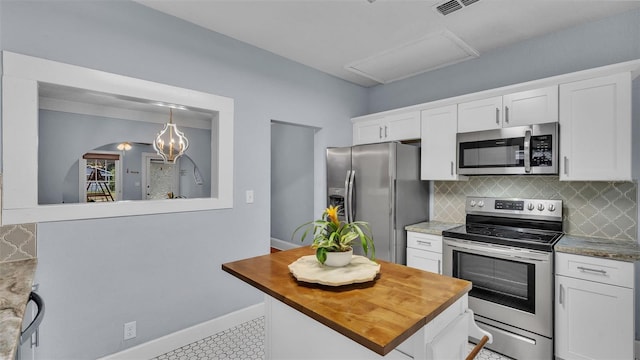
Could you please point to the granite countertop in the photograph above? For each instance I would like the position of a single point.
(16, 278)
(623, 250)
(431, 227)
(418, 297)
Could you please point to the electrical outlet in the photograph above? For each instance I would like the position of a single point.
(130, 330)
(249, 196)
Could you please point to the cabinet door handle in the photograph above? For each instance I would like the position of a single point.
(498, 116)
(439, 268)
(597, 271)
(566, 172)
(425, 243)
(386, 131)
(380, 132)
(561, 295)
(506, 114)
(452, 168)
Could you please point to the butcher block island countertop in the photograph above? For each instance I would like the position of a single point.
(379, 315)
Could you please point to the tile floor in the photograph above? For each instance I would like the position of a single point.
(246, 341)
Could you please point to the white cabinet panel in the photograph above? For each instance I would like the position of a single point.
(482, 114)
(367, 132)
(403, 126)
(593, 320)
(424, 251)
(593, 308)
(536, 106)
(438, 152)
(424, 260)
(607, 271)
(426, 242)
(396, 127)
(595, 129)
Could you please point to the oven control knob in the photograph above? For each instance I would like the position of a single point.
(480, 203)
(551, 207)
(472, 203)
(530, 206)
(540, 207)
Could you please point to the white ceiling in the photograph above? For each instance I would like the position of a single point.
(369, 43)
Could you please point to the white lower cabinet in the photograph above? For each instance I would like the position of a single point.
(424, 252)
(594, 308)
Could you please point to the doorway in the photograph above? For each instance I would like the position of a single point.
(292, 181)
(160, 180)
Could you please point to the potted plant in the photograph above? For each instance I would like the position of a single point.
(332, 236)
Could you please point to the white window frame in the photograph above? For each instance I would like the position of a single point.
(82, 176)
(21, 77)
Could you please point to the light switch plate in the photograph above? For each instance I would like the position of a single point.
(249, 196)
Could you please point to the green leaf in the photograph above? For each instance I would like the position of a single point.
(321, 255)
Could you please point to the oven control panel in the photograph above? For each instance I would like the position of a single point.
(526, 208)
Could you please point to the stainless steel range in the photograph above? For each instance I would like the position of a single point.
(506, 250)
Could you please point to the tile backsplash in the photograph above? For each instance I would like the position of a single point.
(595, 209)
(17, 242)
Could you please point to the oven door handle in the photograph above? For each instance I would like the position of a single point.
(498, 252)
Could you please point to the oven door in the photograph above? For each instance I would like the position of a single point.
(510, 285)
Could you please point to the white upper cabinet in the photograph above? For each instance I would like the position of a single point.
(595, 129)
(482, 114)
(395, 127)
(537, 106)
(438, 152)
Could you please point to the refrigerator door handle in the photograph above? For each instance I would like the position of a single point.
(346, 196)
(352, 210)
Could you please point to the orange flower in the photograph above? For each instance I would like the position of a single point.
(332, 214)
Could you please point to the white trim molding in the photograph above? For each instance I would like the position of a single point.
(21, 81)
(178, 339)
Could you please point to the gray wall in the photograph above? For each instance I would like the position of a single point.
(598, 43)
(291, 179)
(163, 271)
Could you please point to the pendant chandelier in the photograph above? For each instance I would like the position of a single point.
(170, 143)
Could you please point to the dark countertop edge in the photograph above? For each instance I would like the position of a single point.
(613, 249)
(21, 273)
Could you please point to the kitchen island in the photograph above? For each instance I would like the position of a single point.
(403, 313)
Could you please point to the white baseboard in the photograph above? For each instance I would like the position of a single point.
(283, 245)
(164, 344)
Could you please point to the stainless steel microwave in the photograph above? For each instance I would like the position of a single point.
(517, 150)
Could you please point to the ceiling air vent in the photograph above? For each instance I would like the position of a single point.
(468, 2)
(450, 6)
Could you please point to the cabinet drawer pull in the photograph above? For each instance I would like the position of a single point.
(452, 168)
(506, 114)
(598, 271)
(498, 116)
(425, 243)
(380, 132)
(386, 131)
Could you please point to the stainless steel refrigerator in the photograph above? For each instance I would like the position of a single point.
(379, 184)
